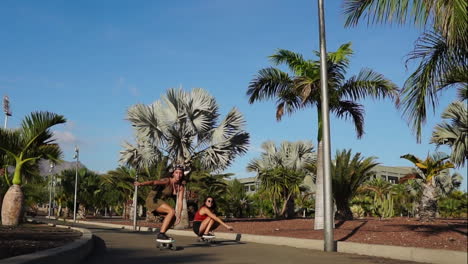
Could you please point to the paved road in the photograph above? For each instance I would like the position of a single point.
(115, 246)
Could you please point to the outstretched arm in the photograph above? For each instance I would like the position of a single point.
(156, 182)
(214, 217)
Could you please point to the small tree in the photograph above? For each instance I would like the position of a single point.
(281, 170)
(25, 145)
(427, 170)
(348, 174)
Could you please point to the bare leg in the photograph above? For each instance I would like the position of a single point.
(204, 226)
(208, 226)
(170, 213)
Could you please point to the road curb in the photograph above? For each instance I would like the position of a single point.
(71, 253)
(424, 255)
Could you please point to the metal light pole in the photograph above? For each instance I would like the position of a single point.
(6, 109)
(52, 165)
(77, 157)
(135, 204)
(327, 185)
(135, 200)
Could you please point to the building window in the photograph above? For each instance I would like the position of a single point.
(252, 188)
(393, 179)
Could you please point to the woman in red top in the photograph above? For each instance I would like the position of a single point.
(205, 221)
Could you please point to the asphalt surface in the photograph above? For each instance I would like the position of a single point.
(115, 246)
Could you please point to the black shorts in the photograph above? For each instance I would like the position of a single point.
(196, 227)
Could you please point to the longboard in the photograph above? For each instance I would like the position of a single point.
(163, 244)
(208, 240)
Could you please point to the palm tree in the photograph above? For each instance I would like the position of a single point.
(121, 179)
(235, 197)
(303, 90)
(183, 126)
(281, 170)
(27, 144)
(348, 174)
(442, 49)
(454, 133)
(427, 170)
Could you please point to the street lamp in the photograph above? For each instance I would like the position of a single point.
(51, 177)
(327, 183)
(77, 157)
(135, 197)
(6, 109)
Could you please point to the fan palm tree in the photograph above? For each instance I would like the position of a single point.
(27, 144)
(348, 174)
(427, 170)
(442, 49)
(184, 126)
(454, 133)
(303, 90)
(281, 170)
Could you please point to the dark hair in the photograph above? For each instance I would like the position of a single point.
(213, 204)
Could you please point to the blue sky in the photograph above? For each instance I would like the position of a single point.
(91, 60)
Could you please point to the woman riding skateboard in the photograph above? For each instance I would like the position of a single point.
(166, 188)
(205, 221)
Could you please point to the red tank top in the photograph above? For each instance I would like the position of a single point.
(199, 217)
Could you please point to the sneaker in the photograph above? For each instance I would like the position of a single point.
(163, 238)
(209, 235)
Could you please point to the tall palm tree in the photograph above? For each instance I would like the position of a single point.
(442, 49)
(427, 170)
(281, 170)
(454, 133)
(348, 174)
(27, 144)
(303, 90)
(184, 126)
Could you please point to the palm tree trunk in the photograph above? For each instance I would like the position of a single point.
(287, 210)
(12, 206)
(318, 222)
(343, 210)
(428, 205)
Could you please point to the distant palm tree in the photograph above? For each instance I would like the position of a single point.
(427, 170)
(184, 126)
(442, 49)
(281, 170)
(121, 179)
(27, 144)
(348, 174)
(454, 133)
(303, 90)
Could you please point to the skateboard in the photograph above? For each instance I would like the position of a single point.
(208, 240)
(166, 245)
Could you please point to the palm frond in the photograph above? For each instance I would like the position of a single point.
(350, 109)
(295, 61)
(420, 89)
(369, 83)
(448, 17)
(268, 83)
(454, 133)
